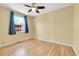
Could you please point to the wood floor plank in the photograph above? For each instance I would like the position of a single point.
(34, 47)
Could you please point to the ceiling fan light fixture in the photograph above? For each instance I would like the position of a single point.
(33, 9)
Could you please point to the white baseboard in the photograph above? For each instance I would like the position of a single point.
(75, 50)
(68, 45)
(38, 39)
(10, 43)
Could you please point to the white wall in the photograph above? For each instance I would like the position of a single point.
(76, 28)
(56, 26)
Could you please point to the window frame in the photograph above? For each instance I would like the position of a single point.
(23, 24)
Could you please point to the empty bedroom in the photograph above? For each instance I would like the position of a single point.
(39, 29)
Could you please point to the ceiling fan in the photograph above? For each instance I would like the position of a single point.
(34, 7)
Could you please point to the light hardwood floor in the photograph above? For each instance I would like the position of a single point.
(34, 47)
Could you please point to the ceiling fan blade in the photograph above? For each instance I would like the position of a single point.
(37, 11)
(40, 7)
(27, 5)
(30, 10)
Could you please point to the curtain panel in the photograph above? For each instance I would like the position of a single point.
(26, 25)
(12, 30)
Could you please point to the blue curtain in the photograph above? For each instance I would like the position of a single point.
(26, 25)
(12, 30)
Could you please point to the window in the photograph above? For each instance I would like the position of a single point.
(19, 23)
